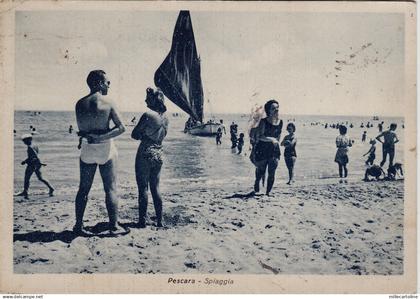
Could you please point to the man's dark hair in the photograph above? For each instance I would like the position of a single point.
(267, 106)
(393, 126)
(342, 129)
(94, 78)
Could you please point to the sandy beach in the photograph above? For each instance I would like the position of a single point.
(326, 65)
(328, 228)
(316, 226)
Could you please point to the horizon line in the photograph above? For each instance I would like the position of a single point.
(226, 113)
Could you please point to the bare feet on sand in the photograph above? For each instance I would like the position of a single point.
(24, 194)
(118, 230)
(81, 231)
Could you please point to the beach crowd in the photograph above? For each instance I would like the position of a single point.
(99, 122)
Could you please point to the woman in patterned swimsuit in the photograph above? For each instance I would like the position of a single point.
(151, 130)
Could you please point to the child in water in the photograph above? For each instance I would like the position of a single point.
(219, 136)
(364, 136)
(33, 164)
(240, 143)
(289, 143)
(343, 143)
(371, 153)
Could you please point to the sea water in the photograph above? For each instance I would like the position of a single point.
(195, 163)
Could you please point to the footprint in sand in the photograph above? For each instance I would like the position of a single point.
(315, 244)
(39, 260)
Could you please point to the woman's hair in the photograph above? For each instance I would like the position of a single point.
(342, 129)
(158, 103)
(267, 106)
(291, 125)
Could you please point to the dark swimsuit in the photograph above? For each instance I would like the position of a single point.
(268, 150)
(290, 151)
(33, 160)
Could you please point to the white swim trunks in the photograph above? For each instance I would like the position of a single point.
(98, 153)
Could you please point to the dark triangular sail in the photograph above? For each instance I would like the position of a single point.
(179, 75)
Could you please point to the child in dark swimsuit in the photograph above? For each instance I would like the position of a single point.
(33, 164)
(240, 143)
(364, 136)
(371, 153)
(289, 143)
(219, 136)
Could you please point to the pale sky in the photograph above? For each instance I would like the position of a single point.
(312, 63)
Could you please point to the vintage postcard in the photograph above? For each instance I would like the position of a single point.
(208, 147)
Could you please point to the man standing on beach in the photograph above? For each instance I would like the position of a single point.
(388, 144)
(93, 115)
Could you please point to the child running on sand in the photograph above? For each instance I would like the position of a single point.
(289, 143)
(33, 164)
(371, 153)
(240, 143)
(343, 143)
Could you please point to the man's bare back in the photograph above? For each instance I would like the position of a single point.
(94, 114)
(390, 138)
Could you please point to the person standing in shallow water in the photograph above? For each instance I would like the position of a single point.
(219, 136)
(267, 148)
(233, 135)
(364, 136)
(150, 130)
(240, 143)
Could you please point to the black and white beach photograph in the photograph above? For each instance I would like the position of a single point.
(179, 140)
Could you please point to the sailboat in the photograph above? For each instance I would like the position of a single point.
(179, 78)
